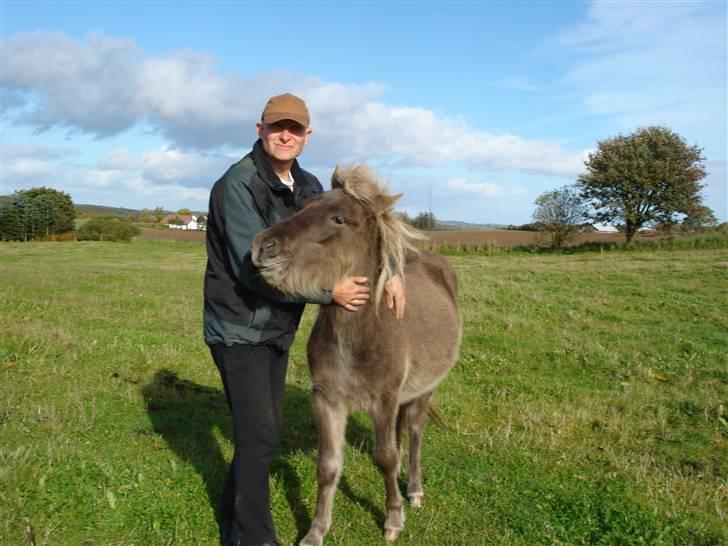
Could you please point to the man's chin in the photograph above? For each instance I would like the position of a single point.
(285, 155)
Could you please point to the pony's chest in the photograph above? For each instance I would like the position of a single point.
(355, 374)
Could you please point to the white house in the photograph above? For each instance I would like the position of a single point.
(604, 228)
(181, 221)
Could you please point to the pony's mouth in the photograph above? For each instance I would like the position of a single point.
(268, 265)
(274, 269)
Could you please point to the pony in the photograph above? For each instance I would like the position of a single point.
(366, 360)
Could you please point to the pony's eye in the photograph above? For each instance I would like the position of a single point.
(337, 219)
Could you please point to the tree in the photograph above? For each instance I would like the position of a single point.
(11, 227)
(560, 213)
(159, 213)
(648, 177)
(35, 213)
(698, 218)
(404, 217)
(425, 221)
(184, 212)
(146, 216)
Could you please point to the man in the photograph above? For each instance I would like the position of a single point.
(249, 325)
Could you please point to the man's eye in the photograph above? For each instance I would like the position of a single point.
(337, 219)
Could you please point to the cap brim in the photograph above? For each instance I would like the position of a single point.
(280, 116)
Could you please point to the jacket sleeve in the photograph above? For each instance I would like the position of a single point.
(242, 223)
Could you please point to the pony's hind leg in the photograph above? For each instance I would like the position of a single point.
(386, 457)
(331, 425)
(416, 419)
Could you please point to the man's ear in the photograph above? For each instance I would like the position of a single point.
(259, 127)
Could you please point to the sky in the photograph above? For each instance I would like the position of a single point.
(470, 109)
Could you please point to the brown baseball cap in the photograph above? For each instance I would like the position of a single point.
(285, 106)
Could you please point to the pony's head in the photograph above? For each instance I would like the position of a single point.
(351, 230)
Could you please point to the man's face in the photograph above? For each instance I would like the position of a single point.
(283, 140)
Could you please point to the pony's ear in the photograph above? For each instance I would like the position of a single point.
(336, 181)
(385, 203)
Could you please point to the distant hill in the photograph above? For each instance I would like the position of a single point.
(452, 225)
(100, 210)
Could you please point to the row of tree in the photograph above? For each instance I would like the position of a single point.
(35, 213)
(40, 213)
(425, 221)
(646, 179)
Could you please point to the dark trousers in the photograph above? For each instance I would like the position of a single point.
(254, 379)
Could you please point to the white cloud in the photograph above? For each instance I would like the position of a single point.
(105, 85)
(121, 179)
(485, 189)
(26, 172)
(118, 160)
(642, 63)
(166, 165)
(40, 151)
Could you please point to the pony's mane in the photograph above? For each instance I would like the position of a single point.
(396, 237)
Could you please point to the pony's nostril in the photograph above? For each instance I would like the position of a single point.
(271, 248)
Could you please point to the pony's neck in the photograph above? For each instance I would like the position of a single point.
(366, 265)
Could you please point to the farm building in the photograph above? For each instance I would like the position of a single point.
(182, 221)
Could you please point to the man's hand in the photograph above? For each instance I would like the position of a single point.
(394, 288)
(351, 293)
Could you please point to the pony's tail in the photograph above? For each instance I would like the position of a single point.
(435, 416)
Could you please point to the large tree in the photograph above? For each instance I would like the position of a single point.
(559, 213)
(648, 177)
(35, 213)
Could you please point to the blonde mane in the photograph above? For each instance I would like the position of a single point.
(396, 237)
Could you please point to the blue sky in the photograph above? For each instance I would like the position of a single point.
(480, 105)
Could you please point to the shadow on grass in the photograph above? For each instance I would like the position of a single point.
(185, 414)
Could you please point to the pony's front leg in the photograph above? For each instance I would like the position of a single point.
(331, 426)
(386, 457)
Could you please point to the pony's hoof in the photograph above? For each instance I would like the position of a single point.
(416, 500)
(390, 535)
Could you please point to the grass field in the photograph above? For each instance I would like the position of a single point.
(589, 405)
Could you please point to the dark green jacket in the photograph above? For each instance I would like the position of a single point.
(240, 307)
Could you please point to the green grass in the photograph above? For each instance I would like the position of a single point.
(589, 405)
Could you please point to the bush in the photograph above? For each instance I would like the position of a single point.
(108, 228)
